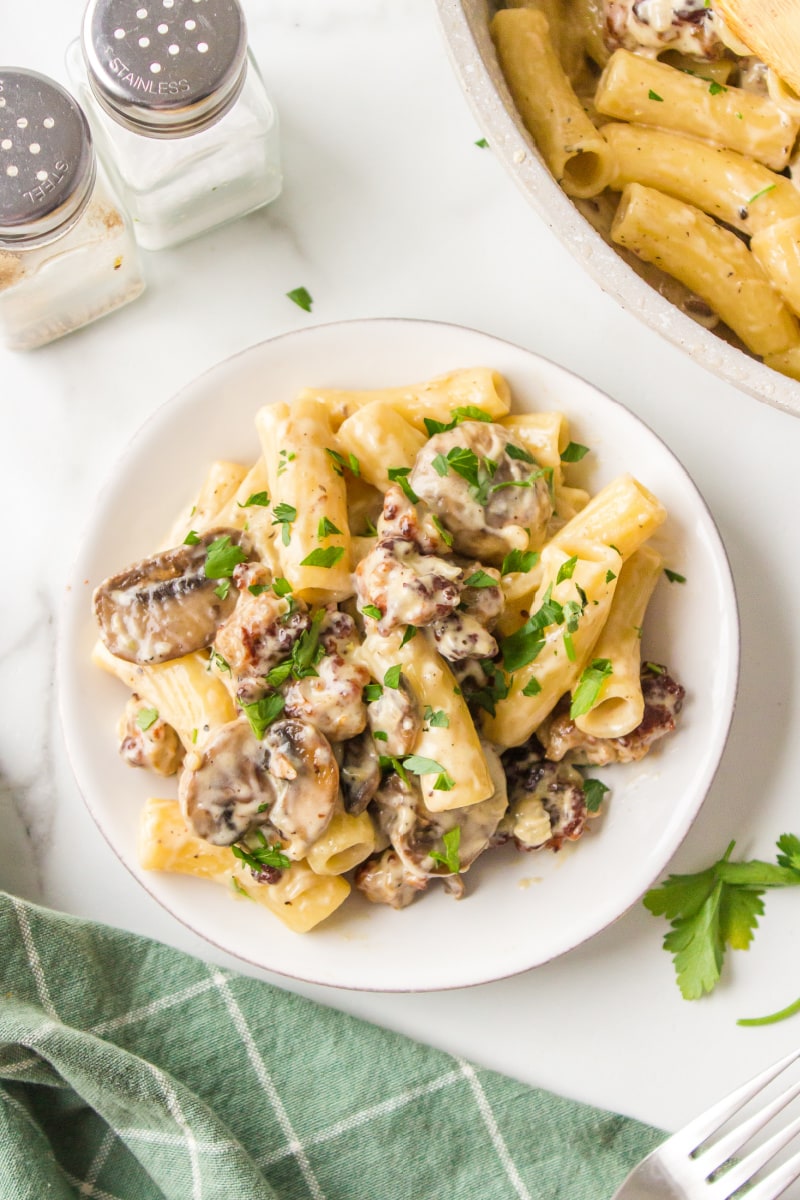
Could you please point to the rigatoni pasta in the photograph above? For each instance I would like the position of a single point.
(374, 716)
(685, 111)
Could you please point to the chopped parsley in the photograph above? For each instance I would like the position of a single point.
(532, 687)
(263, 712)
(594, 790)
(716, 89)
(436, 718)
(566, 570)
(610, 576)
(369, 529)
(219, 662)
(372, 610)
(301, 297)
(517, 453)
(523, 646)
(192, 538)
(480, 579)
(326, 528)
(284, 515)
(486, 697)
(481, 143)
(466, 412)
(450, 858)
(258, 589)
(380, 735)
(328, 557)
(763, 192)
(588, 689)
(340, 462)
(410, 632)
(392, 677)
(146, 717)
(651, 95)
(281, 587)
(371, 692)
(221, 558)
(262, 855)
(223, 589)
(673, 576)
(400, 475)
(237, 887)
(574, 452)
(443, 533)
(519, 560)
(284, 458)
(257, 499)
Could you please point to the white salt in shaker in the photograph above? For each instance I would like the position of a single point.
(179, 112)
(67, 254)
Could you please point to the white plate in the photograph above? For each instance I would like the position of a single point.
(520, 909)
(466, 29)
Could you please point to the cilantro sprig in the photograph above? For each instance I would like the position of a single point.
(718, 908)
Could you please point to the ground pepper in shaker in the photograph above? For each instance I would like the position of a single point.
(179, 112)
(67, 254)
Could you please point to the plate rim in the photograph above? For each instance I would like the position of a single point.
(94, 522)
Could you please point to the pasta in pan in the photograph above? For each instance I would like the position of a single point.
(366, 670)
(680, 146)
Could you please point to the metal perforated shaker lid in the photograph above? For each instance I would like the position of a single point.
(47, 163)
(165, 68)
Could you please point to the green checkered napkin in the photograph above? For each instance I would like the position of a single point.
(129, 1071)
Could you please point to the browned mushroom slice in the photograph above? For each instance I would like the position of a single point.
(305, 779)
(359, 773)
(287, 780)
(165, 606)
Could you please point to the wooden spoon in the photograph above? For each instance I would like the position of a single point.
(771, 29)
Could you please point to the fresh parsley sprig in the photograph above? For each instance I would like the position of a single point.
(450, 858)
(717, 908)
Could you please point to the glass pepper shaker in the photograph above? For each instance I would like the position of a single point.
(179, 112)
(67, 253)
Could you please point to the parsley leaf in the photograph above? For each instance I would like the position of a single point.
(673, 576)
(519, 454)
(146, 717)
(284, 515)
(470, 412)
(715, 89)
(532, 687)
(258, 499)
(192, 538)
(326, 528)
(400, 475)
(223, 589)
(301, 297)
(371, 692)
(328, 557)
(221, 557)
(594, 790)
(486, 697)
(420, 765)
(436, 718)
(450, 858)
(567, 569)
(281, 587)
(588, 689)
(262, 856)
(263, 712)
(651, 95)
(523, 646)
(519, 560)
(410, 632)
(763, 192)
(717, 908)
(443, 533)
(480, 579)
(574, 452)
(258, 589)
(482, 143)
(392, 676)
(372, 610)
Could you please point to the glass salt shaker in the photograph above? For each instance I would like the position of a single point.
(67, 253)
(179, 112)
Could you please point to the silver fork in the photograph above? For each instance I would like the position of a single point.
(681, 1168)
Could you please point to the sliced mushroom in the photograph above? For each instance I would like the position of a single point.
(165, 606)
(305, 779)
(288, 780)
(503, 504)
(359, 773)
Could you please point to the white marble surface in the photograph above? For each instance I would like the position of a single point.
(390, 209)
